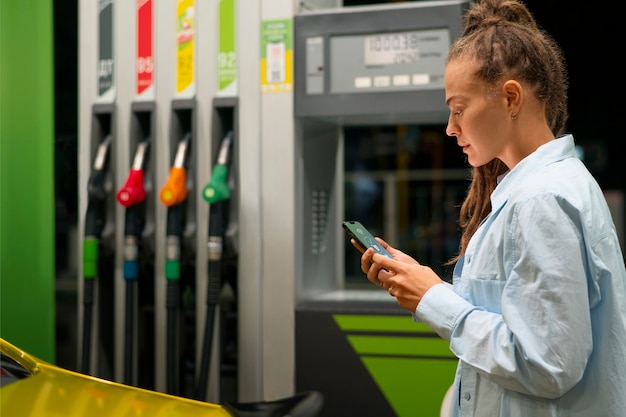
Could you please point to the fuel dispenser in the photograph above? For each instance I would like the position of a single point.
(105, 101)
(217, 372)
(370, 144)
(178, 195)
(145, 277)
(138, 264)
(175, 314)
(98, 238)
(216, 192)
(99, 131)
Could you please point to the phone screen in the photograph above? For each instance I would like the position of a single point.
(363, 237)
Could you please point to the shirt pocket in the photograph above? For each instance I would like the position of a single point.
(482, 283)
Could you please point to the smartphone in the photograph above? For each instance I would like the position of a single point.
(363, 237)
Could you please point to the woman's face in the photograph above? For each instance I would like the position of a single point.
(478, 115)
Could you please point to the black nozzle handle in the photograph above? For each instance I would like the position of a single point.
(96, 184)
(132, 221)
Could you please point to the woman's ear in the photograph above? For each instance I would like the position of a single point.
(513, 92)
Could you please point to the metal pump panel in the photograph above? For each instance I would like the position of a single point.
(367, 65)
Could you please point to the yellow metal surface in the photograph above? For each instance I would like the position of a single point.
(52, 391)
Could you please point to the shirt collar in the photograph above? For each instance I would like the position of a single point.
(553, 151)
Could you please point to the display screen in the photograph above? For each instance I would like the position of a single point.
(391, 61)
(391, 48)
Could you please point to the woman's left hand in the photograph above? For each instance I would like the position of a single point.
(403, 277)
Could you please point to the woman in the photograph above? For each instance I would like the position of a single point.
(537, 310)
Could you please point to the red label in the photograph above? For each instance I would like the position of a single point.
(145, 61)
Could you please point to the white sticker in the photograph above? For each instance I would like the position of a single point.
(401, 80)
(362, 82)
(275, 53)
(382, 81)
(421, 79)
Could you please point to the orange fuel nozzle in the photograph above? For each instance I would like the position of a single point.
(175, 189)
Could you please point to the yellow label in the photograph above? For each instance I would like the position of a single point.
(185, 34)
(276, 56)
(273, 80)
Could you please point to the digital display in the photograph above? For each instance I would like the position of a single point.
(387, 61)
(391, 48)
(404, 47)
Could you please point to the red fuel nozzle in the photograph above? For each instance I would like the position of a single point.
(175, 190)
(133, 191)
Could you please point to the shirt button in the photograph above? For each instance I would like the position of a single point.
(467, 396)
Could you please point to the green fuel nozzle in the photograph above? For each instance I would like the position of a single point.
(217, 188)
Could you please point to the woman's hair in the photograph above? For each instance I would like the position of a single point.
(502, 37)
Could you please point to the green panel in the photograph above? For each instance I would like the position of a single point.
(380, 323)
(413, 372)
(408, 346)
(227, 55)
(428, 381)
(27, 176)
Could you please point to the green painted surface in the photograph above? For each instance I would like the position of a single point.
(380, 323)
(409, 363)
(27, 269)
(395, 345)
(413, 387)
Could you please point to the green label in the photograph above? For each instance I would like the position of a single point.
(90, 258)
(276, 56)
(172, 270)
(227, 54)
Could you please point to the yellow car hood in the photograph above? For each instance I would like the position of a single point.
(52, 391)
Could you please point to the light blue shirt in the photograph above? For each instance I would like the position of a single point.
(537, 310)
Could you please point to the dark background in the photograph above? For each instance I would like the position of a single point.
(589, 33)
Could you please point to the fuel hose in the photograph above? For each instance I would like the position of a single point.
(173, 194)
(216, 193)
(94, 223)
(131, 196)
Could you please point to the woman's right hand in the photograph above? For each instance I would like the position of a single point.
(397, 254)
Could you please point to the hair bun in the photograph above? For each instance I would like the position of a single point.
(486, 13)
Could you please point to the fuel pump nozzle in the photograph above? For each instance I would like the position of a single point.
(173, 194)
(217, 188)
(131, 195)
(94, 223)
(216, 193)
(96, 190)
(133, 191)
(175, 189)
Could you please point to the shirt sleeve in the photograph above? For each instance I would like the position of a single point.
(539, 338)
(440, 309)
